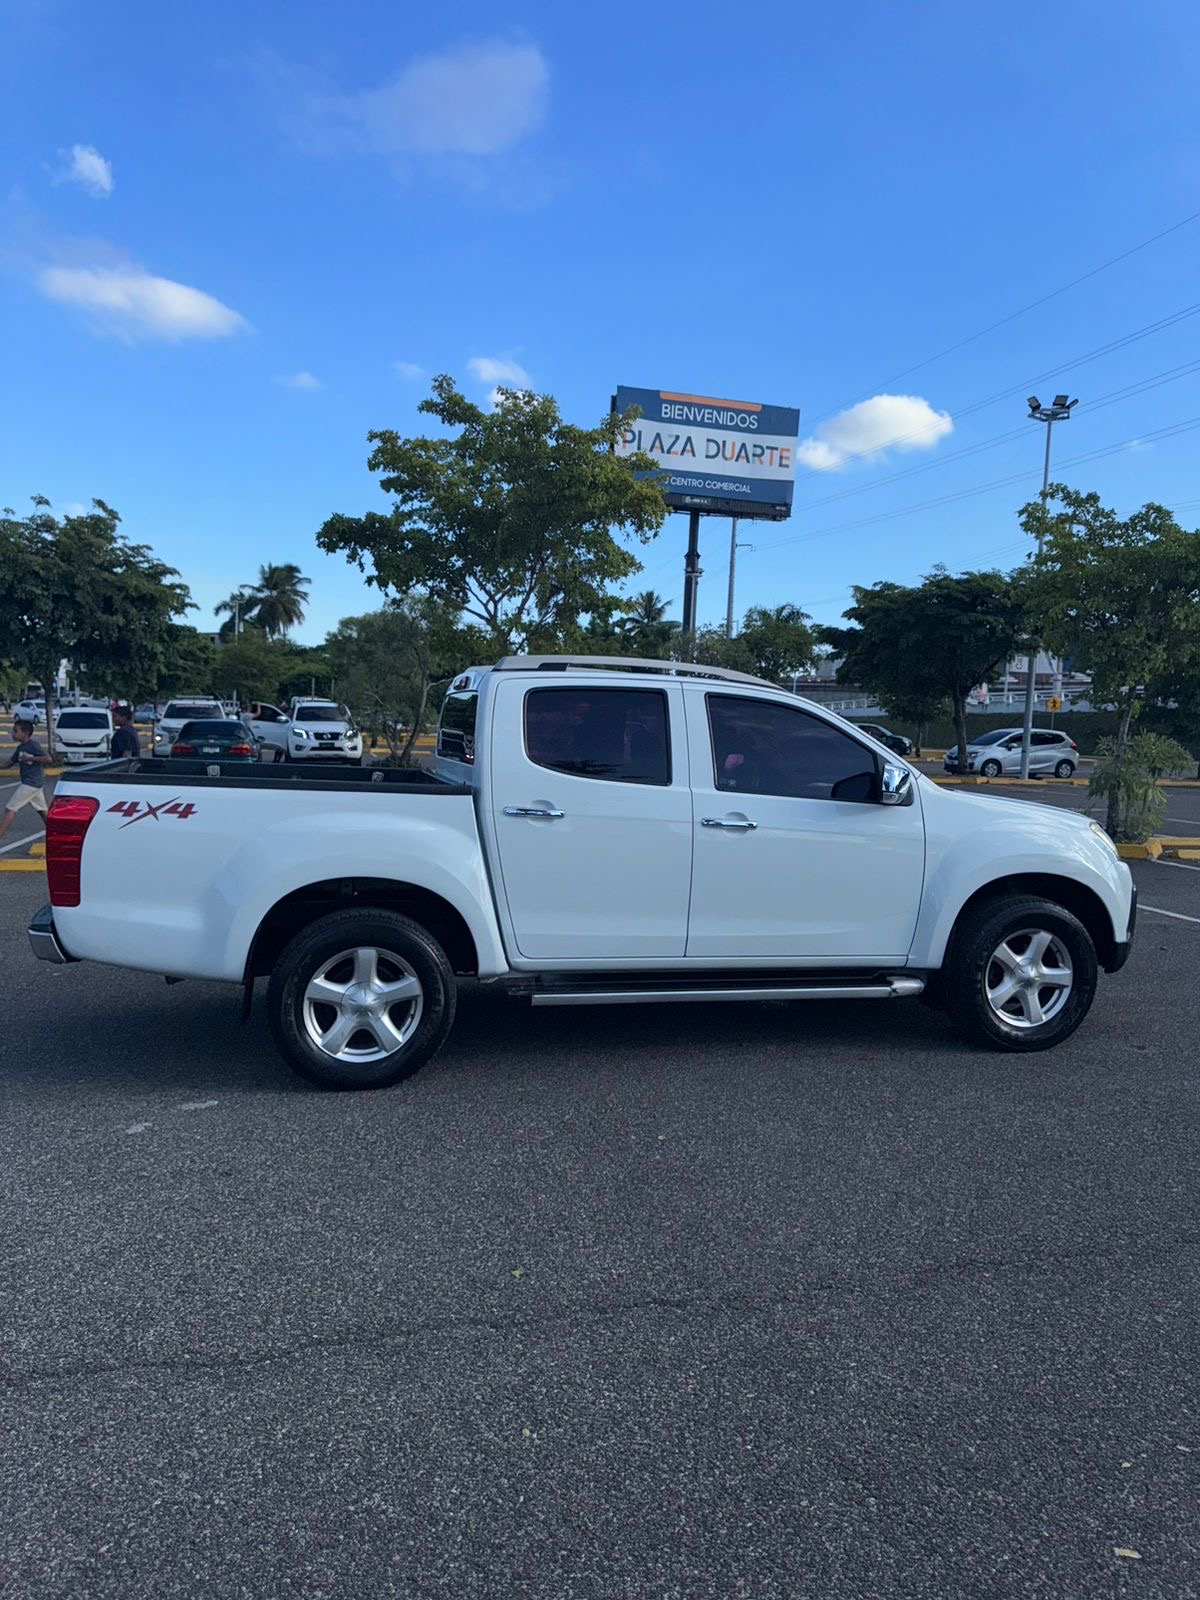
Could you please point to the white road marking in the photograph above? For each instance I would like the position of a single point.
(26, 838)
(137, 1127)
(1178, 915)
(1182, 865)
(204, 1105)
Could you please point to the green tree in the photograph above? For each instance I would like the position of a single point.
(388, 662)
(189, 660)
(931, 643)
(644, 629)
(508, 520)
(252, 666)
(780, 640)
(75, 589)
(275, 603)
(1120, 597)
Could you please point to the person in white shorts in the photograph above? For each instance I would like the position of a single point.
(30, 759)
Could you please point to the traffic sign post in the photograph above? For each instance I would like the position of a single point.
(1052, 705)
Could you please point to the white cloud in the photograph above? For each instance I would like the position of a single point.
(133, 304)
(301, 380)
(899, 422)
(408, 369)
(478, 100)
(87, 167)
(498, 369)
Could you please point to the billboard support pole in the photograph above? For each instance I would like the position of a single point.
(691, 575)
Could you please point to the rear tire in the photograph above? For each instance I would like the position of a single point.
(361, 999)
(1064, 769)
(1012, 960)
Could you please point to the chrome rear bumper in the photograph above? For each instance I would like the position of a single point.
(44, 940)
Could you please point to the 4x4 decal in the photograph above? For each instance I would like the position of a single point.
(133, 810)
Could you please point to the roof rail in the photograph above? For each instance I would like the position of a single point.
(672, 669)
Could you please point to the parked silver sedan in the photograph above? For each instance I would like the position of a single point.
(997, 753)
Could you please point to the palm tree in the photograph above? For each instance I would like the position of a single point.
(236, 610)
(645, 627)
(278, 598)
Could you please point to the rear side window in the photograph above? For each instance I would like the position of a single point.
(84, 719)
(1048, 738)
(615, 734)
(456, 730)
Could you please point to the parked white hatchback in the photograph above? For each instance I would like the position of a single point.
(83, 734)
(993, 754)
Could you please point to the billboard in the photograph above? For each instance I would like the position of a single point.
(729, 456)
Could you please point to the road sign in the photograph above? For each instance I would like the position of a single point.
(1054, 703)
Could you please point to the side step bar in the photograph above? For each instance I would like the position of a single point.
(880, 989)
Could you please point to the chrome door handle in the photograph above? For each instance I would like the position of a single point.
(742, 825)
(532, 811)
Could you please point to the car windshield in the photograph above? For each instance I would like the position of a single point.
(184, 709)
(994, 737)
(322, 714)
(215, 730)
(83, 719)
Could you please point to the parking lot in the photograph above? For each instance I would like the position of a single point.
(772, 1300)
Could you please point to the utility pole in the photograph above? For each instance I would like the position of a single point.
(1059, 411)
(734, 546)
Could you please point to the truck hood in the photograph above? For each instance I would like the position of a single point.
(988, 809)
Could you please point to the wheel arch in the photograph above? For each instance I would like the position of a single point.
(1077, 898)
(302, 907)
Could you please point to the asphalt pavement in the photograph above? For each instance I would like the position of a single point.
(762, 1301)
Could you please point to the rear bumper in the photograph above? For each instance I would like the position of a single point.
(44, 940)
(1122, 951)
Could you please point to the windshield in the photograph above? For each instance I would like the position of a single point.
(84, 719)
(994, 737)
(322, 714)
(215, 730)
(189, 708)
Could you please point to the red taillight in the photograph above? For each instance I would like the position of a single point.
(67, 822)
(241, 750)
(1074, 746)
(182, 750)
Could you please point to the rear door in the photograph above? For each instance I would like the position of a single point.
(592, 818)
(793, 854)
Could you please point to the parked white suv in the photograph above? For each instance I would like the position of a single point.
(998, 752)
(82, 734)
(322, 730)
(176, 713)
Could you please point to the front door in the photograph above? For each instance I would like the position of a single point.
(793, 854)
(592, 818)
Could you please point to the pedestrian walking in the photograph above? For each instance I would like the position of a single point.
(124, 740)
(30, 759)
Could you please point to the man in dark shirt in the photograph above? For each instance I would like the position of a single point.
(124, 739)
(29, 758)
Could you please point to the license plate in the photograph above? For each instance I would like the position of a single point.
(210, 749)
(80, 755)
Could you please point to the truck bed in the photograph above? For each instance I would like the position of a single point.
(171, 773)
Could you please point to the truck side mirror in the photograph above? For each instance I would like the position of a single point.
(896, 786)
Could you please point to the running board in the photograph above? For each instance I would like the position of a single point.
(881, 989)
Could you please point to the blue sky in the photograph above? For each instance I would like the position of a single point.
(233, 238)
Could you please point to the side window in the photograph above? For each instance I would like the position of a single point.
(1044, 738)
(456, 730)
(763, 748)
(616, 734)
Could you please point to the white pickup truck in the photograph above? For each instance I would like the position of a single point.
(596, 831)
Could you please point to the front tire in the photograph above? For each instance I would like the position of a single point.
(361, 999)
(990, 769)
(1020, 974)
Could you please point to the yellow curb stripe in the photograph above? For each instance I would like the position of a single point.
(22, 864)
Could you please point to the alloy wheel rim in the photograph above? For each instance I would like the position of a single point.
(1028, 978)
(362, 1005)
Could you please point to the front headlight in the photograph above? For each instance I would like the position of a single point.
(1100, 834)
(299, 733)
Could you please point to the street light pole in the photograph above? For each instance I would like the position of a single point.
(1059, 411)
(732, 569)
